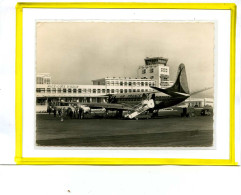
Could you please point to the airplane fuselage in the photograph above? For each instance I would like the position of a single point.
(161, 100)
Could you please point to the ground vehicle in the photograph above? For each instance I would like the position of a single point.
(206, 112)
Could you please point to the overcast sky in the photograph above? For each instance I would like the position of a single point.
(78, 52)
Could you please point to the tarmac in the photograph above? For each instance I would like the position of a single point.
(169, 131)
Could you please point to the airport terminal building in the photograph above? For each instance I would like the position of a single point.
(154, 72)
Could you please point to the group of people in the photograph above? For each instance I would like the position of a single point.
(73, 113)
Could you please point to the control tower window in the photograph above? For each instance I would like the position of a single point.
(151, 70)
(64, 90)
(152, 77)
(143, 71)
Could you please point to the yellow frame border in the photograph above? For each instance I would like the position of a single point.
(19, 159)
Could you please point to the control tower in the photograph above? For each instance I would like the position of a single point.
(155, 68)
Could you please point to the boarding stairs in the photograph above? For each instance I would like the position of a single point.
(140, 108)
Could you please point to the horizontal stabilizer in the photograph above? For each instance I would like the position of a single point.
(166, 91)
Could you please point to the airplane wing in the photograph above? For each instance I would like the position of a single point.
(109, 106)
(199, 91)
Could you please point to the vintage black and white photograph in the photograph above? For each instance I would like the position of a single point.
(125, 84)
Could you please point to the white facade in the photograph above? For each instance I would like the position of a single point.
(110, 86)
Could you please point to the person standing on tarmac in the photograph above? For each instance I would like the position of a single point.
(49, 109)
(62, 114)
(55, 112)
(80, 113)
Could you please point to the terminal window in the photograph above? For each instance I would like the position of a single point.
(42, 90)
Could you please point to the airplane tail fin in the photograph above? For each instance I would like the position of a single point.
(181, 84)
(180, 87)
